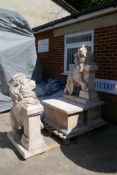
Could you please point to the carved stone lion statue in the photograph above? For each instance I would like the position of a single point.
(76, 80)
(23, 96)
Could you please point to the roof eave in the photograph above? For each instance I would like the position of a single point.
(77, 18)
(66, 6)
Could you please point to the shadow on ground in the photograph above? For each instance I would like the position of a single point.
(5, 143)
(95, 151)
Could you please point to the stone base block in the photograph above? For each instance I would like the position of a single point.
(96, 124)
(92, 117)
(16, 141)
(62, 114)
(68, 134)
(64, 134)
(68, 119)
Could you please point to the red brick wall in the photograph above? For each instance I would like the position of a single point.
(53, 61)
(105, 54)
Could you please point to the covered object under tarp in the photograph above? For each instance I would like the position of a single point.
(17, 52)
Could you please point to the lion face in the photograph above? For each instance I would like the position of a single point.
(83, 52)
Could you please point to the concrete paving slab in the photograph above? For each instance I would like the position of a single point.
(93, 153)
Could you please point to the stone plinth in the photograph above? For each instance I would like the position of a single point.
(71, 118)
(32, 137)
(62, 114)
(89, 95)
(16, 141)
(31, 142)
(25, 117)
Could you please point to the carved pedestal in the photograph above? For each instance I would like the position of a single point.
(89, 95)
(93, 117)
(26, 124)
(31, 141)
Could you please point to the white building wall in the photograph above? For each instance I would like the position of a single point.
(37, 12)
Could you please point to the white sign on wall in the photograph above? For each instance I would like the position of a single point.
(43, 45)
(108, 86)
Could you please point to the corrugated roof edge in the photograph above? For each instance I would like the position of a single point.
(73, 16)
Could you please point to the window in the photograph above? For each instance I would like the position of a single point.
(72, 43)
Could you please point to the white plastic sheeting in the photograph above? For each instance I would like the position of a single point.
(17, 52)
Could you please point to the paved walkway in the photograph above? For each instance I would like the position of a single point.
(93, 153)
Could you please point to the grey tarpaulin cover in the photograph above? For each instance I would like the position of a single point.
(17, 52)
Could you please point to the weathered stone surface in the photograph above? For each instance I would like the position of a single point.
(16, 141)
(63, 114)
(25, 117)
(83, 76)
(77, 113)
(72, 118)
(84, 64)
